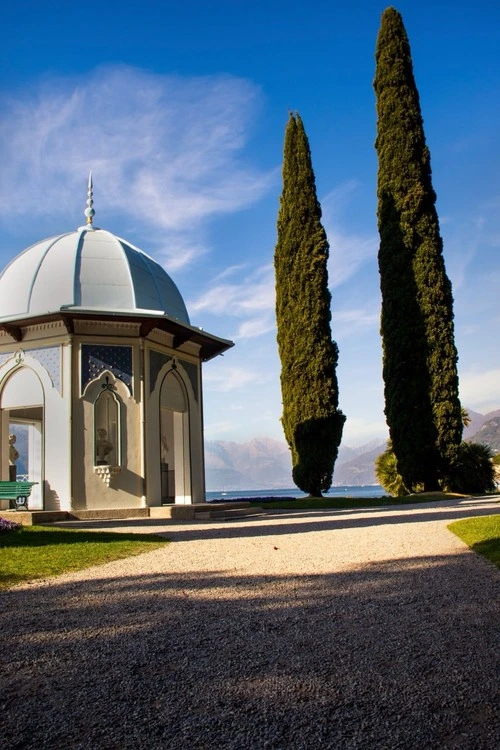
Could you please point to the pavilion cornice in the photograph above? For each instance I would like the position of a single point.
(210, 345)
(14, 331)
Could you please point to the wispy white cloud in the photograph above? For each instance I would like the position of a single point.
(230, 378)
(255, 292)
(228, 272)
(349, 321)
(255, 327)
(251, 298)
(213, 430)
(179, 250)
(470, 237)
(358, 431)
(166, 151)
(348, 251)
(461, 238)
(480, 390)
(336, 200)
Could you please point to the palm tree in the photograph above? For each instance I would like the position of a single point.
(473, 471)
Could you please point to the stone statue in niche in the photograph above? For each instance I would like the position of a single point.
(164, 450)
(13, 456)
(102, 447)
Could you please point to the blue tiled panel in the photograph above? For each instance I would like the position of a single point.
(192, 372)
(156, 362)
(48, 356)
(116, 359)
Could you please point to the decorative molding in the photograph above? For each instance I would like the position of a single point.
(182, 337)
(68, 323)
(50, 326)
(107, 473)
(107, 327)
(162, 337)
(147, 326)
(15, 332)
(189, 347)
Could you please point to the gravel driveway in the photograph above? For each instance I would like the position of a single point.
(313, 629)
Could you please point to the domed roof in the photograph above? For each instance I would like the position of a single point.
(89, 269)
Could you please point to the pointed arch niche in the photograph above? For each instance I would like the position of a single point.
(175, 455)
(105, 397)
(22, 407)
(107, 428)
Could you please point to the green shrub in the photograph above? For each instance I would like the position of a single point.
(386, 470)
(473, 472)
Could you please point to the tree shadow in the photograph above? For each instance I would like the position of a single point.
(49, 537)
(397, 653)
(273, 523)
(489, 548)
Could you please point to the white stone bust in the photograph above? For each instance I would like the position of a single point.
(102, 446)
(13, 453)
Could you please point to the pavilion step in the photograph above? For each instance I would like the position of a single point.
(34, 517)
(226, 514)
(107, 514)
(197, 511)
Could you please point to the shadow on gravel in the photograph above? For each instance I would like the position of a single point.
(258, 526)
(402, 654)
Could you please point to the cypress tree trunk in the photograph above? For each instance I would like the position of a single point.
(420, 359)
(311, 419)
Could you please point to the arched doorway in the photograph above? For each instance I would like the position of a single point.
(22, 412)
(175, 459)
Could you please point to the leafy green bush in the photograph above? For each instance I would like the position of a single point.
(386, 470)
(473, 472)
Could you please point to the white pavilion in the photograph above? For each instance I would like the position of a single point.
(100, 365)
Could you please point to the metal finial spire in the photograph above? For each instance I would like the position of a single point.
(89, 211)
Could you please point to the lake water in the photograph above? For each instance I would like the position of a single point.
(343, 491)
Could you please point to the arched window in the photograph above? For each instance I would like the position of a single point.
(175, 459)
(107, 427)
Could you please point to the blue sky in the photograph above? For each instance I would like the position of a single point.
(179, 108)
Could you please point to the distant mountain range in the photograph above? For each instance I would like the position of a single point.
(264, 463)
(484, 429)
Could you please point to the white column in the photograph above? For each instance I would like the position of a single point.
(35, 464)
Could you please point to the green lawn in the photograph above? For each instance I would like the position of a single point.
(318, 503)
(40, 551)
(481, 534)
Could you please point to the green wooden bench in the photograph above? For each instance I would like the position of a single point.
(17, 492)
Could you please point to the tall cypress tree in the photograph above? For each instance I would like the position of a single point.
(311, 419)
(420, 359)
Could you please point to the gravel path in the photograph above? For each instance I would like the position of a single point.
(331, 629)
